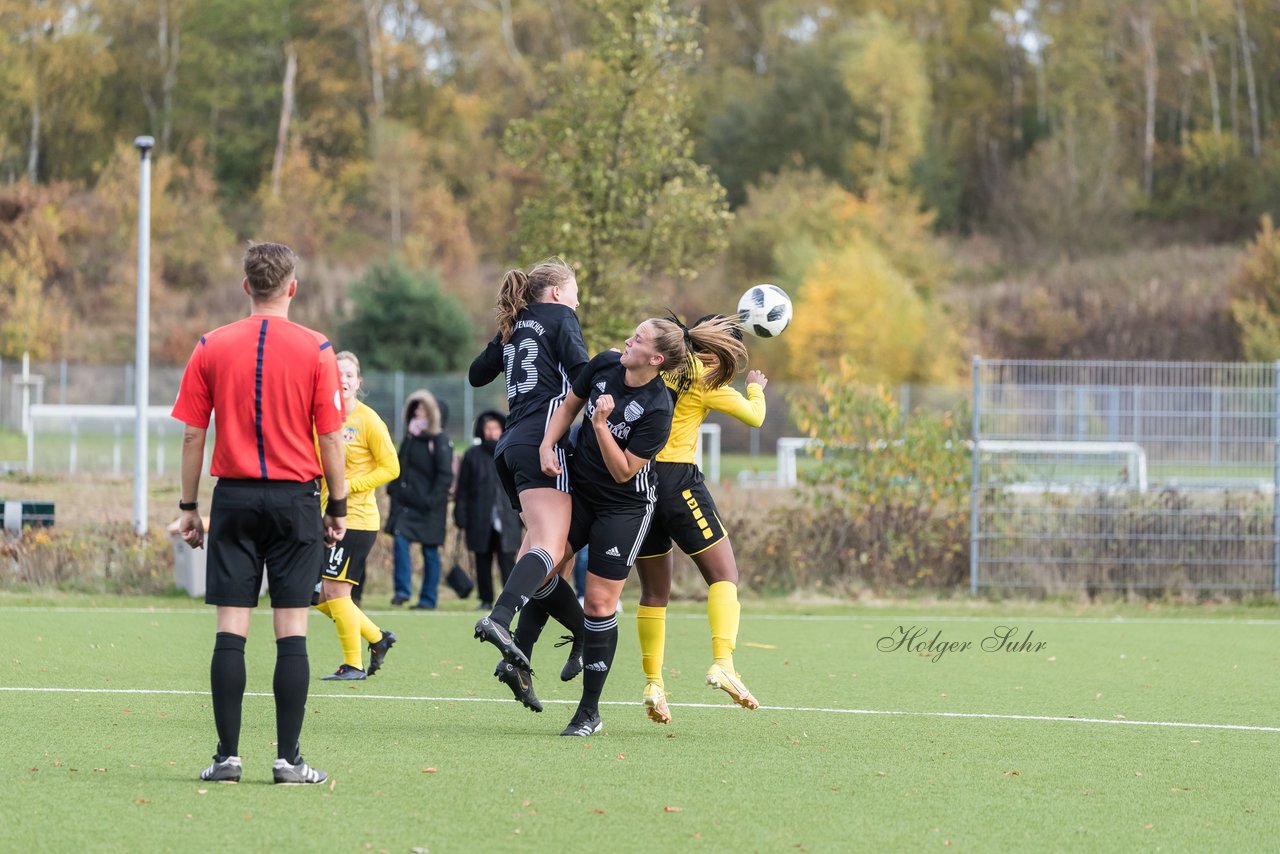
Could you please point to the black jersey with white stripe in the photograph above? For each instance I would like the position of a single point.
(640, 423)
(544, 354)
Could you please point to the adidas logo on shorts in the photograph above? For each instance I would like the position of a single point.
(598, 666)
(613, 552)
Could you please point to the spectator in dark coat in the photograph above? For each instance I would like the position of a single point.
(483, 510)
(420, 498)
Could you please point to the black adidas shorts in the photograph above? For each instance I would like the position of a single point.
(614, 533)
(519, 468)
(257, 525)
(686, 513)
(346, 560)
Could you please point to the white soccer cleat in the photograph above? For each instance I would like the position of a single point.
(655, 703)
(731, 683)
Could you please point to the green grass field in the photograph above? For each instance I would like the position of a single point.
(1130, 727)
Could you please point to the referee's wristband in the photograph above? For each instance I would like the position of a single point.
(188, 505)
(336, 507)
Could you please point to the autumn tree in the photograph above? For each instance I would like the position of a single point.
(619, 193)
(1257, 288)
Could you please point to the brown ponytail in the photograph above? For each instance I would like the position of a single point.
(718, 342)
(714, 339)
(519, 290)
(513, 296)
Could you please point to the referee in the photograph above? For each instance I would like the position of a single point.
(272, 386)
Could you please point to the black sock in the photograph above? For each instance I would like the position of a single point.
(597, 657)
(532, 619)
(293, 673)
(561, 603)
(226, 683)
(526, 576)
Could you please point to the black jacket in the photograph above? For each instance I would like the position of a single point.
(420, 495)
(479, 492)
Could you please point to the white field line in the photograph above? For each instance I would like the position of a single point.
(814, 709)
(264, 610)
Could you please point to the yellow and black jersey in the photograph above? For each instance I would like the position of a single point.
(371, 462)
(696, 402)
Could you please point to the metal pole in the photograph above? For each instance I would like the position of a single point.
(397, 386)
(142, 355)
(1275, 481)
(26, 392)
(973, 483)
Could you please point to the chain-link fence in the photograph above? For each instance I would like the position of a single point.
(106, 446)
(1124, 476)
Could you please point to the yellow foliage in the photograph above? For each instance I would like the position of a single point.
(32, 321)
(855, 305)
(1257, 285)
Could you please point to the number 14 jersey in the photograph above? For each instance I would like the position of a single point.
(545, 353)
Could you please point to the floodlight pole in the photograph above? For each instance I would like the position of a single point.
(142, 354)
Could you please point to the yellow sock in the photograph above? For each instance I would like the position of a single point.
(651, 625)
(368, 629)
(346, 616)
(722, 613)
(323, 608)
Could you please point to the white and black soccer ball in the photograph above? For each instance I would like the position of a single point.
(765, 310)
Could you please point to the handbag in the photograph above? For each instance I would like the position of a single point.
(458, 579)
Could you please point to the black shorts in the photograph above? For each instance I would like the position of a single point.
(345, 561)
(686, 513)
(264, 524)
(613, 531)
(519, 468)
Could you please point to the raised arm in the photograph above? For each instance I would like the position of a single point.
(486, 367)
(750, 409)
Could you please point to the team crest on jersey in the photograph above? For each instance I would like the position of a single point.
(633, 411)
(348, 434)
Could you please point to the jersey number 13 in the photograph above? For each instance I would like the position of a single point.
(528, 355)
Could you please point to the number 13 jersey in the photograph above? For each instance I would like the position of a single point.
(540, 361)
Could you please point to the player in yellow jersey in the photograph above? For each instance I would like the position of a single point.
(371, 462)
(686, 514)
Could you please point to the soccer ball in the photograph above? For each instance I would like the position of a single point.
(765, 310)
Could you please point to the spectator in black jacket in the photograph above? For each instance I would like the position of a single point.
(420, 498)
(483, 510)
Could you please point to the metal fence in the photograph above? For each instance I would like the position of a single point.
(104, 447)
(1134, 476)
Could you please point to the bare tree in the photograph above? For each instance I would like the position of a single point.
(1144, 30)
(1246, 52)
(1206, 57)
(286, 114)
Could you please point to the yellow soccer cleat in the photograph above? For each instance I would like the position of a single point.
(731, 683)
(655, 703)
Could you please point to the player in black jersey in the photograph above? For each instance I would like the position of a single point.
(539, 350)
(628, 421)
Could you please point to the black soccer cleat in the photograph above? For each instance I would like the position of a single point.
(345, 673)
(500, 636)
(573, 666)
(584, 723)
(378, 651)
(520, 681)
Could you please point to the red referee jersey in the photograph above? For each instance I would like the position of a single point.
(269, 382)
